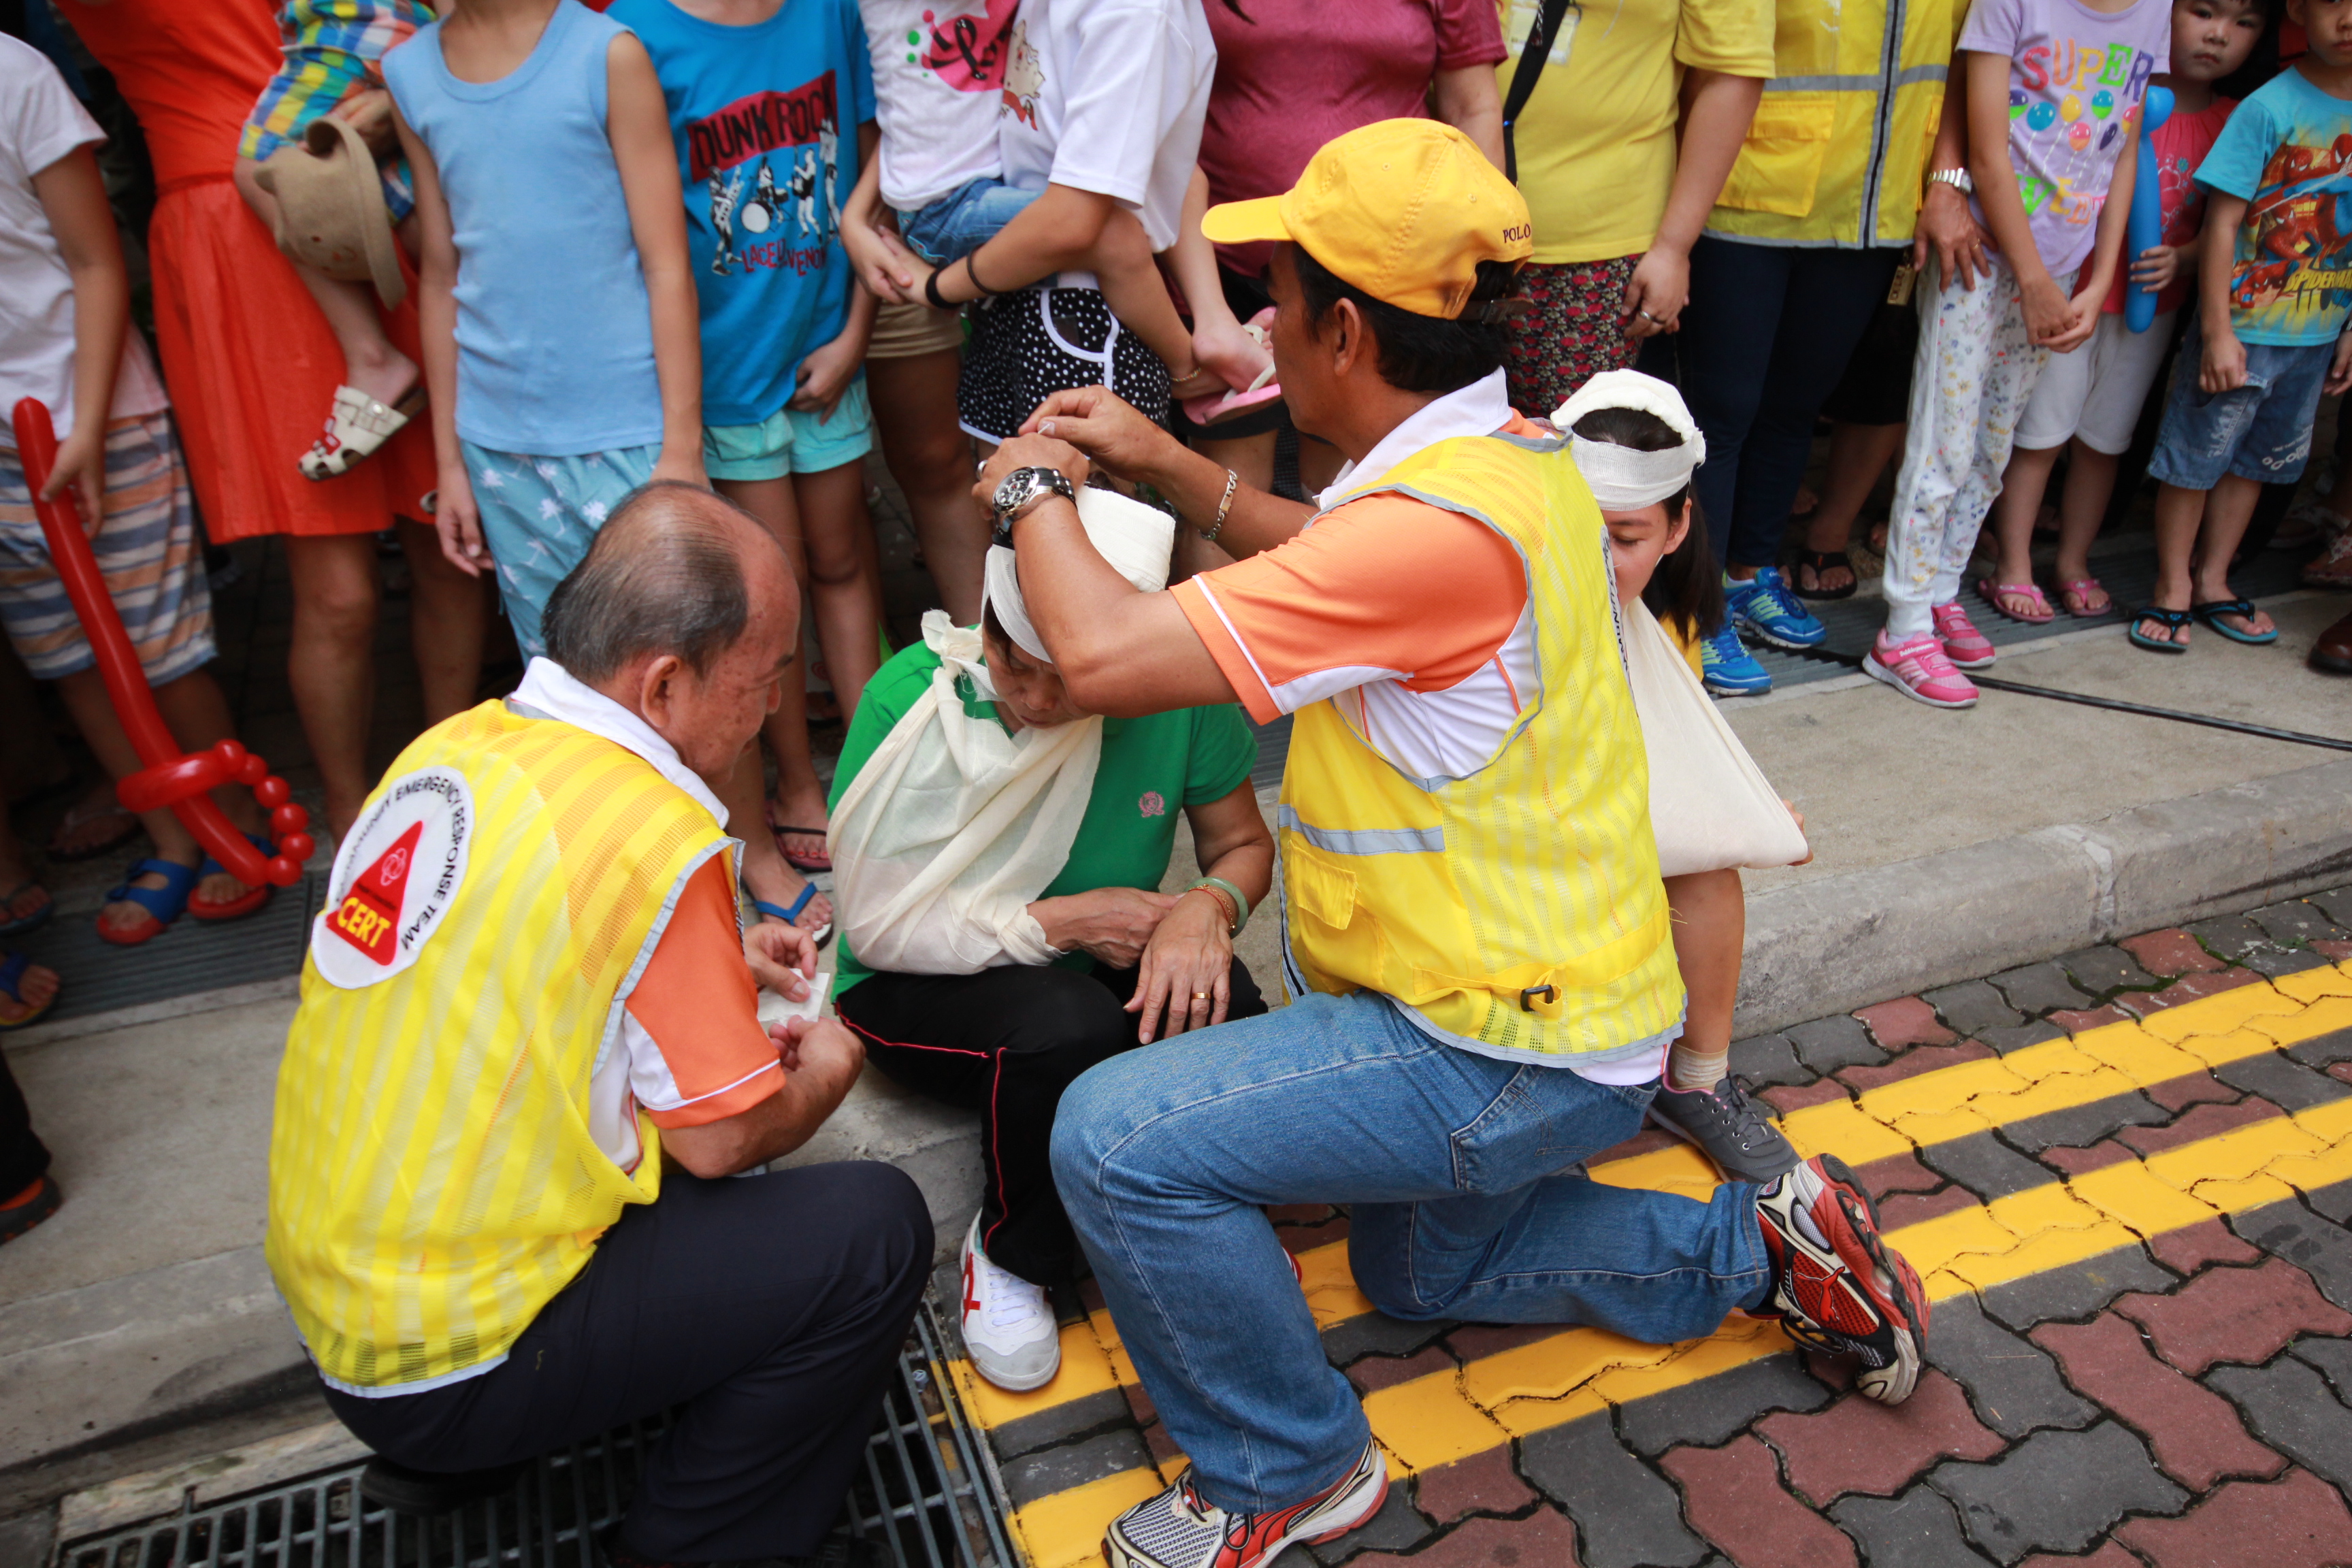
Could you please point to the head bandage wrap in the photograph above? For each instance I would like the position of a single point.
(1134, 538)
(1622, 479)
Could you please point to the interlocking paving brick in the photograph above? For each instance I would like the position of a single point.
(2037, 988)
(2104, 968)
(1897, 1174)
(2007, 1037)
(2287, 1084)
(1052, 1470)
(1705, 1413)
(1861, 1446)
(2197, 1436)
(2188, 988)
(2014, 1385)
(1913, 1062)
(2178, 1094)
(1970, 1007)
(2077, 1162)
(2196, 1124)
(2194, 1247)
(2234, 1314)
(2073, 1290)
(2295, 921)
(1918, 1530)
(1544, 1537)
(2108, 1555)
(1904, 1021)
(2291, 1408)
(2228, 936)
(2321, 1250)
(1377, 1333)
(1628, 1516)
(1471, 1341)
(1786, 1098)
(1398, 1527)
(1765, 1060)
(1733, 1496)
(2084, 1124)
(2335, 903)
(1917, 1208)
(2056, 1491)
(1376, 1372)
(1985, 1165)
(2082, 1020)
(2167, 954)
(2274, 963)
(1825, 1045)
(1483, 1483)
(2296, 1521)
(1059, 1424)
(2333, 1358)
(2321, 1049)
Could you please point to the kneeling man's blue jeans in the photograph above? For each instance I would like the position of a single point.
(1457, 1166)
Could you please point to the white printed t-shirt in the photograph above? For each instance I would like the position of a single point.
(1109, 96)
(41, 123)
(939, 84)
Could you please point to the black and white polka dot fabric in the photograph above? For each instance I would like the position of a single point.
(1041, 340)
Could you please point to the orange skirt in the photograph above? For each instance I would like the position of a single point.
(252, 371)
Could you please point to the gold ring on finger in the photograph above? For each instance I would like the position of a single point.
(1200, 997)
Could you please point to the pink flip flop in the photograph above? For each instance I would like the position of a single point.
(2075, 592)
(1992, 592)
(1217, 406)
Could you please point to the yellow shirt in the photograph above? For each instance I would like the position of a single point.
(1596, 143)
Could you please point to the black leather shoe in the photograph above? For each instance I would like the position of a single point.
(2331, 653)
(403, 1491)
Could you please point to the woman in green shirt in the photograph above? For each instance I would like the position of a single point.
(1008, 1041)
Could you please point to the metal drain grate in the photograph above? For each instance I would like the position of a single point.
(927, 1492)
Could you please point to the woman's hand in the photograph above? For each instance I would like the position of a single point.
(1113, 924)
(1103, 425)
(1657, 294)
(82, 468)
(2049, 313)
(1959, 240)
(1187, 968)
(1031, 452)
(458, 522)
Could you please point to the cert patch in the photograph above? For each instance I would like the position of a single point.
(394, 879)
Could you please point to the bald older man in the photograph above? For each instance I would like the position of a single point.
(527, 989)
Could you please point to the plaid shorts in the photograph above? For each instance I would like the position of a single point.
(146, 549)
(333, 48)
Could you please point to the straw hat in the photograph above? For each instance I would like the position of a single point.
(331, 211)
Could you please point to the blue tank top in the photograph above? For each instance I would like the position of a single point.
(555, 348)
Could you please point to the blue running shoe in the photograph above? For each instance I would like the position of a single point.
(1764, 609)
(1728, 670)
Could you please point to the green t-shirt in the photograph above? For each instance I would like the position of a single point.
(1150, 767)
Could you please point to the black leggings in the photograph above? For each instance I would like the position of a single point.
(1006, 1042)
(770, 1308)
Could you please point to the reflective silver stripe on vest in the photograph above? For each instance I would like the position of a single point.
(1364, 841)
(1910, 76)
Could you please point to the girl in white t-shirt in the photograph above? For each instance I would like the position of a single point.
(943, 81)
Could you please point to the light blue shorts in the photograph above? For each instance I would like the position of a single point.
(792, 440)
(540, 515)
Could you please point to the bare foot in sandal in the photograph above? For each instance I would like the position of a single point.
(93, 826)
(36, 988)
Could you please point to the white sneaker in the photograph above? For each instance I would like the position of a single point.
(1181, 1528)
(1008, 1323)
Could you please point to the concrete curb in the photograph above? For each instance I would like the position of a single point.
(1843, 942)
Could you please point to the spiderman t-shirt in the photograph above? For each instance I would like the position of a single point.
(2287, 153)
(766, 119)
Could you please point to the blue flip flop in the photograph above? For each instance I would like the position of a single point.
(163, 905)
(822, 935)
(2212, 610)
(2171, 620)
(33, 921)
(12, 974)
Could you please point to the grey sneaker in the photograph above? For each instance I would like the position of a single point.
(1008, 1323)
(1727, 1127)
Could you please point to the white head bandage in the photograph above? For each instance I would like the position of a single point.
(1134, 538)
(1623, 480)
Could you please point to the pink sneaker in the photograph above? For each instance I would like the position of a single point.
(1918, 668)
(1966, 647)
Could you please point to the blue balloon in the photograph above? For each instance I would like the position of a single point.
(2145, 227)
(2041, 116)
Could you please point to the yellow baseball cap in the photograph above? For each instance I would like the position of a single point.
(1402, 209)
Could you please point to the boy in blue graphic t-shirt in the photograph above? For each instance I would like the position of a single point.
(772, 107)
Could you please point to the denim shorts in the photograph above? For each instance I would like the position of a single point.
(963, 220)
(792, 440)
(2261, 431)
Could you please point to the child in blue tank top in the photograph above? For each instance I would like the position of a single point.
(557, 307)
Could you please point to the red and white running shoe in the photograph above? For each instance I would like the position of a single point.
(1838, 1287)
(1179, 1528)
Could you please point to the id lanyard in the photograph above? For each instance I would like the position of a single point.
(1526, 15)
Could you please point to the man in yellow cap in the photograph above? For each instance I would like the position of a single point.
(1475, 931)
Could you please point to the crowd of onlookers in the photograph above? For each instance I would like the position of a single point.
(463, 276)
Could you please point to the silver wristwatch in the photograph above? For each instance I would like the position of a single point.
(1958, 179)
(1021, 488)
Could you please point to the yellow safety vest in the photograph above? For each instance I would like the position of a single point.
(1518, 909)
(433, 1180)
(1833, 157)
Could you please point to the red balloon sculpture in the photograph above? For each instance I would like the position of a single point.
(168, 779)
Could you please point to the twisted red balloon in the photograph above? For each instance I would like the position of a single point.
(168, 779)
